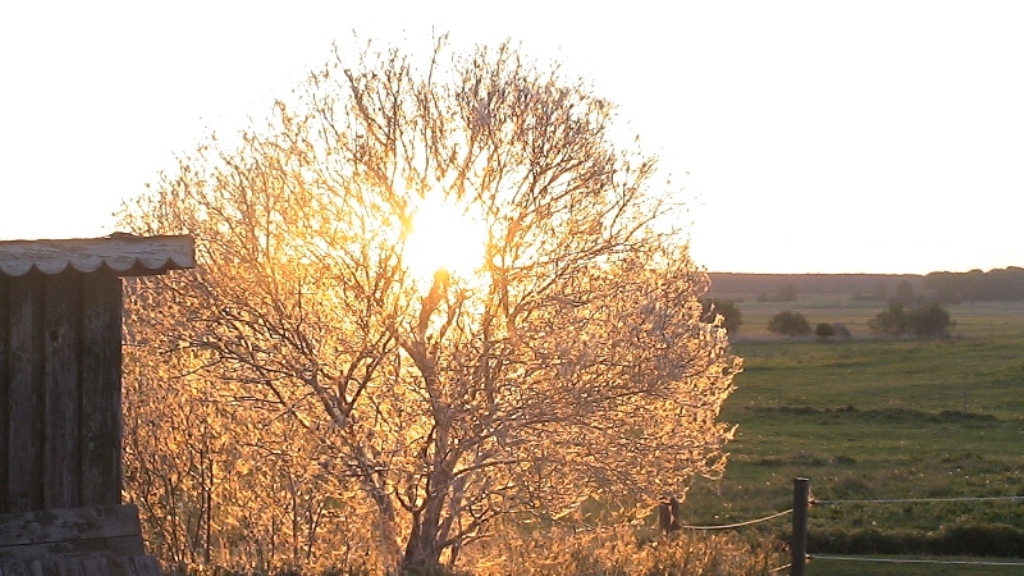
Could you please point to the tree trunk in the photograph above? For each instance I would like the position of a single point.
(424, 547)
(422, 554)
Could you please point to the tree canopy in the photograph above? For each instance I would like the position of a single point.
(789, 323)
(380, 379)
(924, 321)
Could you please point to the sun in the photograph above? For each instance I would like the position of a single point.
(445, 235)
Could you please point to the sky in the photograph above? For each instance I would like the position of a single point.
(806, 137)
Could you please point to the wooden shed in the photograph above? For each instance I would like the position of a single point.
(60, 401)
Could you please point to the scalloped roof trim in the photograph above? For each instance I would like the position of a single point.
(125, 254)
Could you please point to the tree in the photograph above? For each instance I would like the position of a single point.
(892, 321)
(568, 361)
(924, 321)
(929, 321)
(824, 330)
(216, 475)
(731, 318)
(789, 323)
(841, 330)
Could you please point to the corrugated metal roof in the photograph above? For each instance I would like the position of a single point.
(125, 254)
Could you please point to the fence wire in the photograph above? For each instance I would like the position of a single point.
(912, 500)
(914, 561)
(824, 502)
(739, 524)
(588, 528)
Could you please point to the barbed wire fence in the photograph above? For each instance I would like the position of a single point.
(668, 520)
(803, 502)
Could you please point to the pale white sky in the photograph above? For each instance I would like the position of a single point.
(867, 136)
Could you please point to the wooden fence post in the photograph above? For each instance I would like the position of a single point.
(798, 545)
(668, 515)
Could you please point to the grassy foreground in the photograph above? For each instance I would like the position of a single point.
(996, 567)
(869, 418)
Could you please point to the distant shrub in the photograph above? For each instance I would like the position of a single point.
(824, 330)
(891, 322)
(926, 321)
(789, 323)
(727, 309)
(929, 321)
(840, 330)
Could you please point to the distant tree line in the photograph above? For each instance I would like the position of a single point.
(955, 287)
(726, 285)
(786, 293)
(1006, 284)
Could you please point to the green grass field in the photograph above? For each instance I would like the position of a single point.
(956, 566)
(871, 418)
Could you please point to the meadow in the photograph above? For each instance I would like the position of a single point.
(878, 418)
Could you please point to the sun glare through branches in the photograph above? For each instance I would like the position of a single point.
(452, 299)
(445, 235)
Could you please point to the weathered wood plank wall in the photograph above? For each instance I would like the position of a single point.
(61, 335)
(101, 375)
(100, 530)
(5, 308)
(60, 404)
(60, 390)
(83, 566)
(24, 424)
